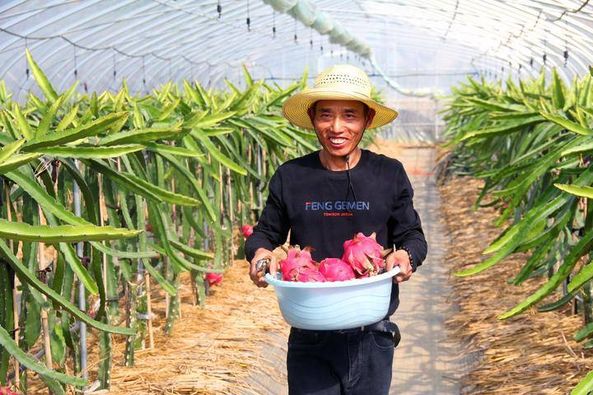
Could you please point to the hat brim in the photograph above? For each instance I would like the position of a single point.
(295, 107)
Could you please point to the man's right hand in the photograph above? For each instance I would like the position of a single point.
(258, 277)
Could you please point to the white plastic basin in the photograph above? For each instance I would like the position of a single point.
(336, 304)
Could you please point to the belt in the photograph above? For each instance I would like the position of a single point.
(381, 326)
(385, 326)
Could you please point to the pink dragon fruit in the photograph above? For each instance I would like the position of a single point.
(247, 230)
(335, 269)
(296, 262)
(364, 254)
(308, 275)
(213, 278)
(7, 391)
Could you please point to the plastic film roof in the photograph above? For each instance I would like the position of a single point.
(413, 47)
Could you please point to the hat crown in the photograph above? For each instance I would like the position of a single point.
(344, 78)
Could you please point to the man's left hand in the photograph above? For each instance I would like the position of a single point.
(399, 258)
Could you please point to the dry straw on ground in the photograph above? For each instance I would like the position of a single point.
(214, 349)
(532, 353)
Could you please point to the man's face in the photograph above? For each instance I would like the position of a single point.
(339, 125)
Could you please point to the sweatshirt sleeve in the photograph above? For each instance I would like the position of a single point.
(272, 227)
(407, 229)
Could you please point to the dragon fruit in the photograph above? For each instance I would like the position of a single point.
(213, 278)
(335, 269)
(364, 254)
(296, 262)
(247, 230)
(7, 391)
(308, 275)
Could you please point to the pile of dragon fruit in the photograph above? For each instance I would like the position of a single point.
(363, 257)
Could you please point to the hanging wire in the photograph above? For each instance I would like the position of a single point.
(565, 54)
(219, 9)
(248, 18)
(545, 55)
(75, 64)
(143, 73)
(27, 71)
(114, 68)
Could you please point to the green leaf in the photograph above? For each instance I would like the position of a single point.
(584, 332)
(16, 161)
(585, 386)
(76, 265)
(62, 233)
(207, 121)
(557, 90)
(142, 187)
(141, 136)
(505, 128)
(91, 152)
(49, 117)
(567, 124)
(581, 278)
(193, 183)
(42, 81)
(496, 106)
(194, 252)
(177, 151)
(218, 155)
(68, 119)
(526, 224)
(71, 135)
(9, 149)
(124, 254)
(22, 124)
(584, 191)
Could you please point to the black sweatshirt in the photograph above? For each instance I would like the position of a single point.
(324, 208)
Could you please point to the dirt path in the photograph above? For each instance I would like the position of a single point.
(425, 363)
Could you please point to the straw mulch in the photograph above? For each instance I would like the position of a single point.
(214, 349)
(532, 353)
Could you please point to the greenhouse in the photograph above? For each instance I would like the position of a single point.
(296, 196)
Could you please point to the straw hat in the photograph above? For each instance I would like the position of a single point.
(339, 82)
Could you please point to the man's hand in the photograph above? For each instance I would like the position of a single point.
(399, 258)
(258, 277)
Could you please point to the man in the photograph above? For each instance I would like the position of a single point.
(325, 198)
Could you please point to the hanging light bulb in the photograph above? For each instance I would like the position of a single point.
(219, 9)
(565, 57)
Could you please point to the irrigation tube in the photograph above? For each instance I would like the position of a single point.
(81, 290)
(423, 92)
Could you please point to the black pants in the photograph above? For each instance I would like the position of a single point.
(349, 362)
